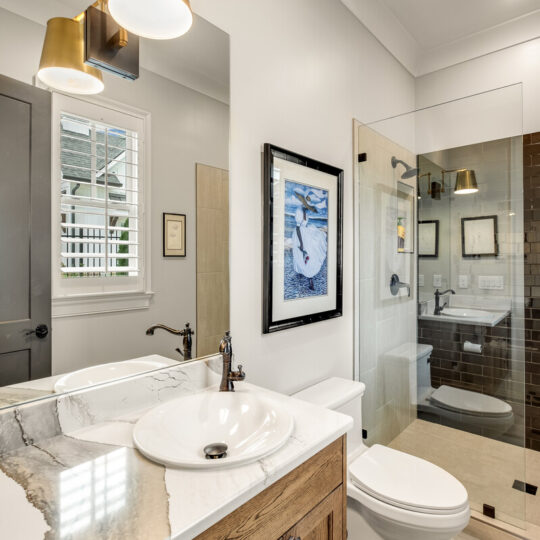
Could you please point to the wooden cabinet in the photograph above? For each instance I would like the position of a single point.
(324, 522)
(307, 504)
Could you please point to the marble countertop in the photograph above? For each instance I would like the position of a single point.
(68, 468)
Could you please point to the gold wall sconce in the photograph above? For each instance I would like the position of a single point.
(75, 51)
(62, 64)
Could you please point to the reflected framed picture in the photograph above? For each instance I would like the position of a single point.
(174, 235)
(303, 209)
(428, 238)
(479, 236)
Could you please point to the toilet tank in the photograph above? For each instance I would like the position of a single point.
(341, 395)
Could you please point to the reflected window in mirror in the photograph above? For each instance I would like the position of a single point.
(98, 233)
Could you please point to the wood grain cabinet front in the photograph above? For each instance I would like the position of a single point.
(324, 522)
(307, 504)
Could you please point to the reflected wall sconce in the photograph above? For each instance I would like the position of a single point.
(433, 187)
(465, 181)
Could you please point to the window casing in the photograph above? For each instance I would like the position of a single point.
(99, 222)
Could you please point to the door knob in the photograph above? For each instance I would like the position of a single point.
(41, 331)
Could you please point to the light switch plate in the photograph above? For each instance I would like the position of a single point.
(437, 280)
(463, 281)
(420, 280)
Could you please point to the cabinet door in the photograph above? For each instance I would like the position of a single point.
(324, 522)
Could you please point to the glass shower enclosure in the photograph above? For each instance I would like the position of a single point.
(445, 257)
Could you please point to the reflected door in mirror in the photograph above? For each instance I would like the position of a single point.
(25, 203)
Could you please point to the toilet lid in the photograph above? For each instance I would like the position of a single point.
(407, 482)
(467, 402)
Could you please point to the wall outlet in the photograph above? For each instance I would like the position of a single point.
(491, 282)
(463, 281)
(420, 280)
(437, 280)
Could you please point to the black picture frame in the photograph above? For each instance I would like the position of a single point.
(166, 250)
(465, 254)
(435, 254)
(269, 324)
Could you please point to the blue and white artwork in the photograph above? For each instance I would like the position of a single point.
(306, 241)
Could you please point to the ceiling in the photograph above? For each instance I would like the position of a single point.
(198, 59)
(427, 35)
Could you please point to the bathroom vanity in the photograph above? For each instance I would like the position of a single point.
(70, 468)
(310, 501)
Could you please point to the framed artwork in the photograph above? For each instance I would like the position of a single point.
(428, 238)
(406, 199)
(303, 209)
(479, 236)
(174, 235)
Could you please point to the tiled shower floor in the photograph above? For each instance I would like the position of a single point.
(485, 466)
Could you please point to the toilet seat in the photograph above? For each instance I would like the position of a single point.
(405, 482)
(472, 403)
(434, 522)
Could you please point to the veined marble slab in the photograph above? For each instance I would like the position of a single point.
(74, 458)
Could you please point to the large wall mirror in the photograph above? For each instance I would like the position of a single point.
(114, 211)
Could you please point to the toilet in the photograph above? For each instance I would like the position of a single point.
(391, 495)
(454, 407)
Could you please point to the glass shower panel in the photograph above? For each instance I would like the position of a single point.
(445, 368)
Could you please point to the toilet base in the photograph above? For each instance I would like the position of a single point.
(357, 527)
(363, 524)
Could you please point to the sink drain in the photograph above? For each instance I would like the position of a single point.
(215, 451)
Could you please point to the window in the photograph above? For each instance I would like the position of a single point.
(98, 212)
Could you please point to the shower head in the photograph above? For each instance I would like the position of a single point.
(409, 171)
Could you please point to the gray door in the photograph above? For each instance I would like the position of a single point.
(25, 232)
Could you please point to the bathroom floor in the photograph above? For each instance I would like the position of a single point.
(485, 466)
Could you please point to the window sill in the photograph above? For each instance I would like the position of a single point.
(90, 304)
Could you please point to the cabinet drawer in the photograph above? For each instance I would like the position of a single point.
(324, 522)
(271, 513)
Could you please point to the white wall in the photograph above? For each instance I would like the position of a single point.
(187, 127)
(300, 72)
(518, 64)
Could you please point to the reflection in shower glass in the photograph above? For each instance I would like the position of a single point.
(448, 383)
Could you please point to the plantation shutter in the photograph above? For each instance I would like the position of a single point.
(100, 199)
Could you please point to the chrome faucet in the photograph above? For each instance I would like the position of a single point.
(438, 294)
(186, 333)
(228, 376)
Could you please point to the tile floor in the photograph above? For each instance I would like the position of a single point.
(487, 468)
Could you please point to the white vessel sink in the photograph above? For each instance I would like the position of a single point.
(176, 433)
(106, 372)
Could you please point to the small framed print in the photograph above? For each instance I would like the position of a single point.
(479, 236)
(428, 238)
(174, 235)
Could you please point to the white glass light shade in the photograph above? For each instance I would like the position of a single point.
(154, 19)
(62, 59)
